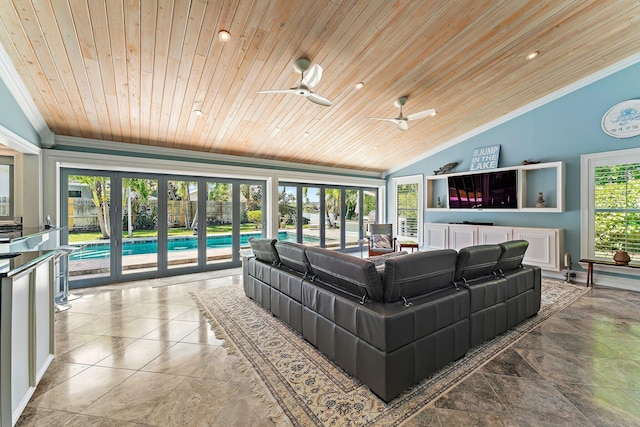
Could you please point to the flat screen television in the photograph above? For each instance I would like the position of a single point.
(488, 190)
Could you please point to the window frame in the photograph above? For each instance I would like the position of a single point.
(589, 162)
(9, 161)
(404, 180)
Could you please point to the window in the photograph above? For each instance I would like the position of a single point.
(408, 207)
(612, 204)
(6, 188)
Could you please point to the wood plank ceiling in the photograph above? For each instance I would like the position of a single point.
(135, 71)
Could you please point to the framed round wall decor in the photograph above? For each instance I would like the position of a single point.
(623, 119)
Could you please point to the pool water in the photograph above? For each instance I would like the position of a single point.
(150, 245)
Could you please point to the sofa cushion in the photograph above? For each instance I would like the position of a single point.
(512, 255)
(265, 250)
(477, 261)
(353, 275)
(418, 273)
(292, 255)
(379, 260)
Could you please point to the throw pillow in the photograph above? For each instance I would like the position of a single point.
(381, 241)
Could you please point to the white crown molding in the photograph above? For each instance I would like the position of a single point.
(605, 72)
(279, 165)
(18, 89)
(15, 142)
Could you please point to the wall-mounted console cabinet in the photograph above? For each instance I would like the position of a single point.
(545, 244)
(545, 178)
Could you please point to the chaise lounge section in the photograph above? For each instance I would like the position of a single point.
(393, 324)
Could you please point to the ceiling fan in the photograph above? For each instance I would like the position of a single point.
(308, 80)
(401, 120)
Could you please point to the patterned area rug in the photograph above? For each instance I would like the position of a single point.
(310, 390)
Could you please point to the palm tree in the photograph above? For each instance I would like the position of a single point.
(332, 204)
(100, 194)
(141, 188)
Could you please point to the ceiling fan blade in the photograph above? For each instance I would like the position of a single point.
(385, 119)
(293, 90)
(320, 100)
(422, 114)
(403, 125)
(312, 76)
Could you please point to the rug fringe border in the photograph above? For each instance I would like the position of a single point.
(274, 412)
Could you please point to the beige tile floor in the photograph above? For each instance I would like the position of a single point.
(139, 354)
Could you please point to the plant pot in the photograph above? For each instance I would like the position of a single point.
(621, 258)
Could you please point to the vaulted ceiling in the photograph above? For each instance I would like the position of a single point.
(135, 71)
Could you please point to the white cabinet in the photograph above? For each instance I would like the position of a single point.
(545, 244)
(546, 178)
(490, 235)
(436, 236)
(461, 236)
(26, 329)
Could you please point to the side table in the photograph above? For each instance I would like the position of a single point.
(412, 245)
(590, 263)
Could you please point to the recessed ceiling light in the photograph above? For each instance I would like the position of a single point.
(224, 36)
(533, 54)
(376, 147)
(198, 112)
(359, 85)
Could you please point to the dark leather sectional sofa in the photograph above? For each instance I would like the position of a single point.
(395, 323)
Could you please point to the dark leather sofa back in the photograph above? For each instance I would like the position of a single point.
(477, 261)
(356, 276)
(512, 255)
(418, 273)
(293, 256)
(265, 250)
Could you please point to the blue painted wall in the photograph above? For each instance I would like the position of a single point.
(12, 117)
(560, 130)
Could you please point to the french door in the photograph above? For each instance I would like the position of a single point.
(129, 225)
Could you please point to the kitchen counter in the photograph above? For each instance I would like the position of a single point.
(29, 239)
(26, 327)
(12, 264)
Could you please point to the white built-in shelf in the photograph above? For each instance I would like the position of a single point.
(548, 178)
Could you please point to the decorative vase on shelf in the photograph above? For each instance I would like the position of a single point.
(621, 258)
(439, 202)
(540, 202)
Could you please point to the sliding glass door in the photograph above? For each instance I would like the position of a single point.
(130, 225)
(87, 213)
(330, 217)
(139, 248)
(182, 208)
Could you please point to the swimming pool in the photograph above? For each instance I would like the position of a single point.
(176, 244)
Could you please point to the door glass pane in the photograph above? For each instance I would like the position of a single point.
(251, 215)
(351, 218)
(140, 229)
(332, 217)
(370, 202)
(288, 213)
(89, 226)
(182, 239)
(219, 224)
(311, 216)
